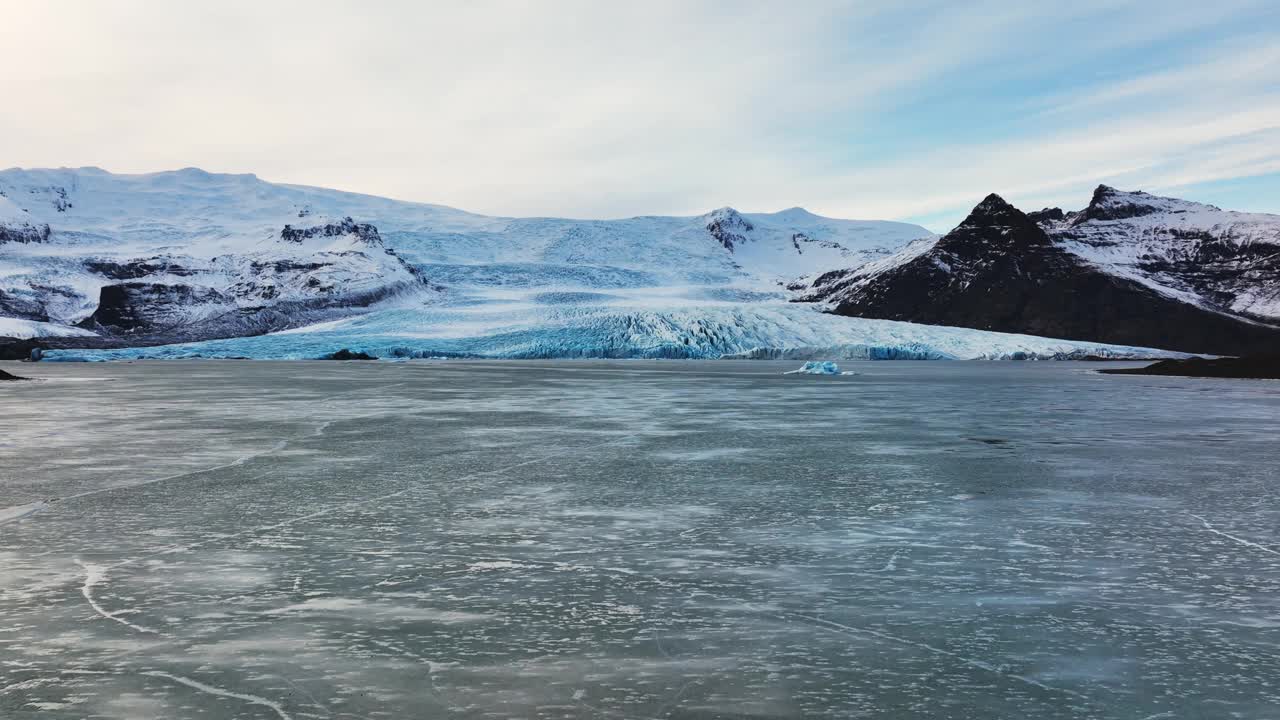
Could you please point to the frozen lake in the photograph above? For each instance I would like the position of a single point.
(636, 539)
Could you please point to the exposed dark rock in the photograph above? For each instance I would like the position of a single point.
(284, 266)
(728, 227)
(145, 314)
(25, 305)
(346, 354)
(363, 231)
(1047, 215)
(135, 269)
(24, 233)
(21, 348)
(1109, 203)
(1257, 367)
(4, 376)
(61, 202)
(998, 270)
(143, 307)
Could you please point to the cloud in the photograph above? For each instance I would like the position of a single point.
(604, 109)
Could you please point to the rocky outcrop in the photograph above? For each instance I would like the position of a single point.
(135, 269)
(999, 270)
(362, 231)
(1047, 215)
(135, 307)
(1109, 203)
(21, 349)
(728, 227)
(24, 234)
(346, 354)
(25, 305)
(1258, 367)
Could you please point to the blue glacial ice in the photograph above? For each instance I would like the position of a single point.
(817, 367)
(524, 330)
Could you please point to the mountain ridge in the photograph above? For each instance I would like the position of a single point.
(190, 256)
(1050, 274)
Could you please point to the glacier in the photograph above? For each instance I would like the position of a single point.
(774, 331)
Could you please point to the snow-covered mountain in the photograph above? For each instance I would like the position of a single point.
(1130, 268)
(1214, 258)
(181, 255)
(230, 265)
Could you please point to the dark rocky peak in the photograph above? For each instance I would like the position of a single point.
(364, 232)
(994, 222)
(1047, 215)
(994, 207)
(1109, 203)
(1102, 192)
(728, 226)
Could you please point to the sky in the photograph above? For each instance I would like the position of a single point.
(906, 110)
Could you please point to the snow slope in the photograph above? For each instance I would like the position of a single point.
(188, 253)
(17, 328)
(206, 217)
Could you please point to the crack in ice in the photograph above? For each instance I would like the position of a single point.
(1242, 541)
(94, 574)
(17, 512)
(302, 691)
(980, 664)
(196, 684)
(358, 503)
(892, 565)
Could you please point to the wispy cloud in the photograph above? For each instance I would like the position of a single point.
(602, 109)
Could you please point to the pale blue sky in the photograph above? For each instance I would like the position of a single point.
(901, 110)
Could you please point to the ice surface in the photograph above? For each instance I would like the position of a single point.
(636, 540)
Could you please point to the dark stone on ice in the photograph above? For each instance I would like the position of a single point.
(345, 354)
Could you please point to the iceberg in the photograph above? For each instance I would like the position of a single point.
(818, 367)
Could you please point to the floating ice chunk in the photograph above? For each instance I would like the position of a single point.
(818, 367)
